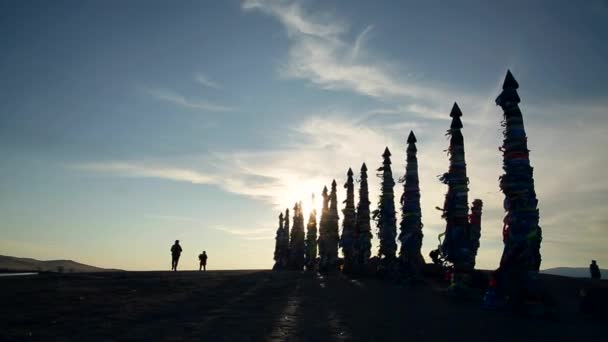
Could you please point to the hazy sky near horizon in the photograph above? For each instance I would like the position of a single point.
(125, 125)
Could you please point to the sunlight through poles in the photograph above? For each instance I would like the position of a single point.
(296, 243)
(311, 239)
(333, 229)
(279, 245)
(323, 233)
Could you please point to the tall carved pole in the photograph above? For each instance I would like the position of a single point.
(522, 235)
(285, 242)
(411, 214)
(296, 243)
(333, 229)
(323, 233)
(278, 247)
(311, 239)
(363, 235)
(348, 223)
(456, 207)
(385, 217)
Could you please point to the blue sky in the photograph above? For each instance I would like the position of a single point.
(125, 125)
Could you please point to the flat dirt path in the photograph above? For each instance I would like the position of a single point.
(260, 306)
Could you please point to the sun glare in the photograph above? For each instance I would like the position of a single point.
(303, 191)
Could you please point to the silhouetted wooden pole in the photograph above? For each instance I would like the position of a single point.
(348, 223)
(311, 239)
(411, 215)
(323, 232)
(522, 235)
(385, 216)
(363, 235)
(456, 207)
(278, 247)
(296, 244)
(462, 231)
(475, 229)
(333, 229)
(285, 242)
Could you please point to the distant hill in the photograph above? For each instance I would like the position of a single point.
(574, 272)
(9, 263)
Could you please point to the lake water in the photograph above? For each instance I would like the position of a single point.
(17, 274)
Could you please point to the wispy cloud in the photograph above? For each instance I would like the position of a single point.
(245, 234)
(180, 100)
(139, 169)
(321, 54)
(248, 234)
(292, 16)
(360, 40)
(280, 176)
(206, 81)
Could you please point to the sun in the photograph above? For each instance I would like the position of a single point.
(307, 191)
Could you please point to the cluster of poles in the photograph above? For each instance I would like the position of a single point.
(296, 249)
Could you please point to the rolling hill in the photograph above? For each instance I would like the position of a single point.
(574, 272)
(13, 264)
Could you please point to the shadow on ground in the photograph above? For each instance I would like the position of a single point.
(263, 306)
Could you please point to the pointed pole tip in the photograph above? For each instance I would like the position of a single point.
(411, 139)
(510, 82)
(455, 112)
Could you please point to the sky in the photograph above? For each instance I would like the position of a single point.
(125, 125)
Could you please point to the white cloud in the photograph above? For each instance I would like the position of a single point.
(427, 112)
(321, 54)
(206, 81)
(177, 99)
(360, 40)
(249, 234)
(145, 170)
(293, 18)
(245, 234)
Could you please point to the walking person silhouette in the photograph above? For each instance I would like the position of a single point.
(176, 251)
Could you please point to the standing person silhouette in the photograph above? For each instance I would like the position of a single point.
(176, 251)
(202, 258)
(594, 269)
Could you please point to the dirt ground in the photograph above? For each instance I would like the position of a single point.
(266, 306)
